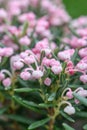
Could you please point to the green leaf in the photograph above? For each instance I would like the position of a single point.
(38, 123)
(18, 118)
(43, 105)
(4, 60)
(85, 127)
(23, 83)
(67, 127)
(76, 86)
(2, 110)
(66, 116)
(25, 26)
(19, 90)
(82, 114)
(80, 98)
(73, 58)
(30, 105)
(1, 88)
(52, 97)
(73, 32)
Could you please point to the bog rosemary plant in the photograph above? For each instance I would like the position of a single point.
(43, 66)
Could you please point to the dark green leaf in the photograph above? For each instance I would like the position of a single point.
(74, 56)
(82, 114)
(25, 84)
(25, 26)
(43, 105)
(29, 105)
(3, 109)
(67, 127)
(52, 97)
(38, 123)
(66, 116)
(25, 90)
(19, 119)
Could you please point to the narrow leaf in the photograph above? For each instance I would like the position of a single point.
(38, 123)
(25, 26)
(66, 116)
(51, 97)
(19, 119)
(80, 98)
(67, 127)
(2, 110)
(25, 90)
(74, 56)
(29, 105)
(43, 105)
(82, 114)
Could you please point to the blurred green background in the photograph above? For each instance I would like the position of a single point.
(76, 8)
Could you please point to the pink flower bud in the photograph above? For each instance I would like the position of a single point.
(23, 55)
(8, 51)
(64, 55)
(37, 74)
(82, 93)
(29, 59)
(47, 51)
(6, 82)
(77, 101)
(18, 65)
(83, 52)
(83, 78)
(2, 52)
(25, 41)
(47, 81)
(2, 76)
(25, 75)
(3, 14)
(56, 69)
(69, 110)
(69, 94)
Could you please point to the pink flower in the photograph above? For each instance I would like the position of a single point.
(78, 42)
(29, 59)
(83, 78)
(3, 14)
(82, 93)
(69, 94)
(37, 74)
(6, 82)
(64, 55)
(25, 75)
(83, 52)
(70, 68)
(46, 62)
(69, 110)
(23, 55)
(18, 65)
(25, 41)
(81, 66)
(56, 69)
(8, 51)
(47, 81)
(54, 62)
(30, 17)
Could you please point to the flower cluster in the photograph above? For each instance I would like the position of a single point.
(31, 53)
